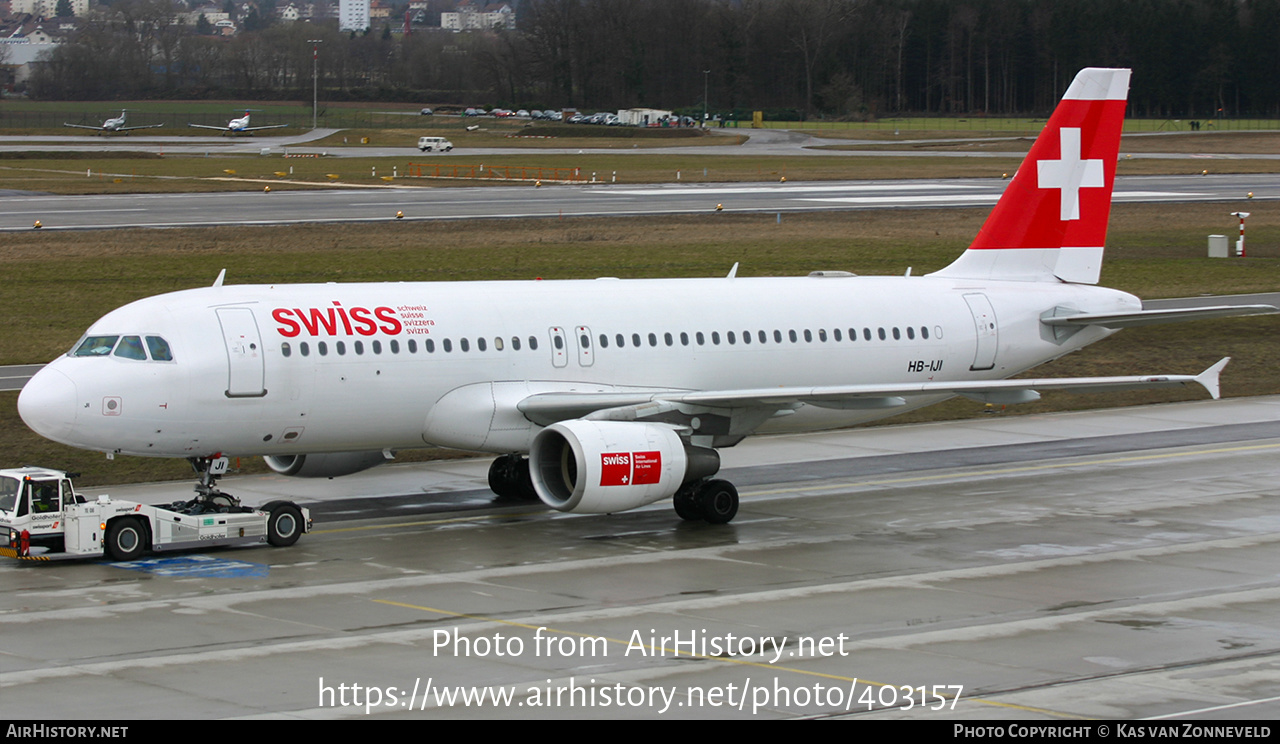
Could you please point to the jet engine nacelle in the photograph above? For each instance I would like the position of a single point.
(598, 467)
(324, 465)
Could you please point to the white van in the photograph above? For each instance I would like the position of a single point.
(434, 144)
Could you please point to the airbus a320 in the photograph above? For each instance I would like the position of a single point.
(606, 395)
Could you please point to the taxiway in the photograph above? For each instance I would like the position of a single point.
(377, 204)
(1105, 564)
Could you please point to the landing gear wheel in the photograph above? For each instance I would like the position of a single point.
(499, 479)
(686, 503)
(126, 539)
(509, 478)
(718, 501)
(284, 526)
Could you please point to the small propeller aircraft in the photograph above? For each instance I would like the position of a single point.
(236, 126)
(114, 124)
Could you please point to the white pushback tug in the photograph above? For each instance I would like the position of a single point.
(44, 519)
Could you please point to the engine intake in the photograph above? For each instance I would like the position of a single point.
(598, 467)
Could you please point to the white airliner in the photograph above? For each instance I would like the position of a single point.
(605, 395)
(237, 126)
(114, 124)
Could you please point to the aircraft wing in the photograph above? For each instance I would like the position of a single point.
(82, 126)
(143, 126)
(254, 129)
(1152, 317)
(547, 408)
(209, 126)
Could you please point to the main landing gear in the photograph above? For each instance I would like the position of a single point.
(710, 500)
(713, 500)
(509, 478)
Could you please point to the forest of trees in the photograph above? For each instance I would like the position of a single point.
(833, 58)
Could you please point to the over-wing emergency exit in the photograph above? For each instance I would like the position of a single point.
(606, 395)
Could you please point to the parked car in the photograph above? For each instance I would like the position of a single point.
(426, 112)
(434, 144)
(522, 114)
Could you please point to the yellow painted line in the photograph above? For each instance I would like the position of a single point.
(1019, 469)
(804, 672)
(851, 484)
(429, 522)
(660, 650)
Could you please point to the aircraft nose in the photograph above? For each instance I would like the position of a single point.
(47, 404)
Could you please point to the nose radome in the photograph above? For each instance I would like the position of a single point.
(47, 404)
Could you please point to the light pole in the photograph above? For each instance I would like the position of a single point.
(705, 74)
(315, 78)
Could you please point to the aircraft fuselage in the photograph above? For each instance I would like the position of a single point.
(267, 370)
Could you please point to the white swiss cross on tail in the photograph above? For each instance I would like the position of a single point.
(1070, 173)
(1051, 222)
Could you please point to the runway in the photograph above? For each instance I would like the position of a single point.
(758, 143)
(1106, 564)
(598, 200)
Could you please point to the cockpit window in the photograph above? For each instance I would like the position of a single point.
(93, 346)
(131, 348)
(159, 349)
(9, 488)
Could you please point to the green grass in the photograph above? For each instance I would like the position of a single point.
(1006, 125)
(120, 174)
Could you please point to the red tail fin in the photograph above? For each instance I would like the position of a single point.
(1051, 222)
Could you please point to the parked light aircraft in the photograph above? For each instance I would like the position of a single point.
(114, 124)
(606, 395)
(237, 126)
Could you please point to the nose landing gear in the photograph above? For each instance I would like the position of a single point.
(208, 498)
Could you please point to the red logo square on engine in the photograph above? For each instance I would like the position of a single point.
(615, 469)
(646, 467)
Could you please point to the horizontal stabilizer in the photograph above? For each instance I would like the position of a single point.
(1153, 317)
